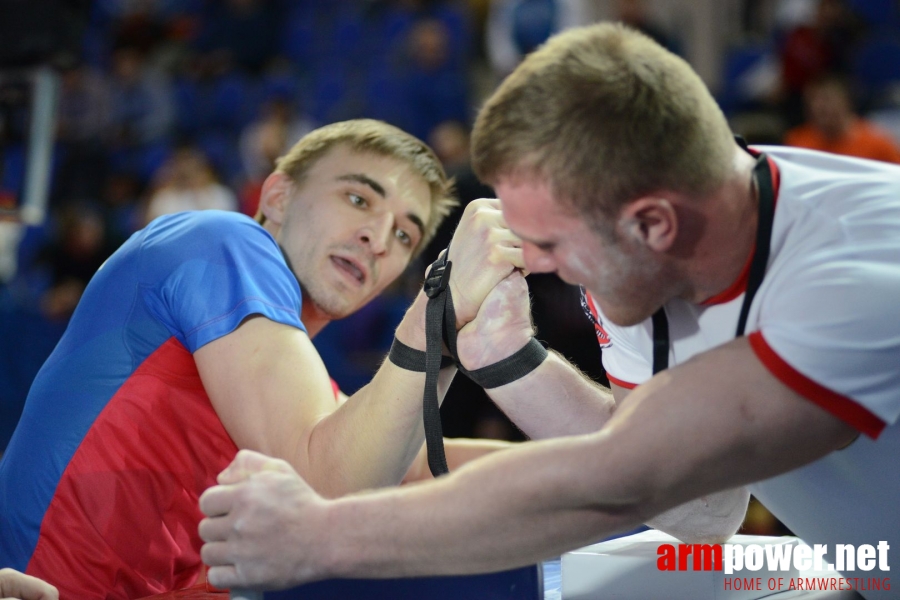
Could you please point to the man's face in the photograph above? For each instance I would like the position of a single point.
(351, 226)
(555, 240)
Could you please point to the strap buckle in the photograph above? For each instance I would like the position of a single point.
(438, 278)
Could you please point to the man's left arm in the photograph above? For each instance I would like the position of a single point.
(459, 451)
(25, 587)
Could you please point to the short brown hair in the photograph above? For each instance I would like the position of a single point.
(604, 115)
(369, 135)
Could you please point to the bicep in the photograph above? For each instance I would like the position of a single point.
(718, 421)
(268, 386)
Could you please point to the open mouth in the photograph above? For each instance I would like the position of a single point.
(350, 268)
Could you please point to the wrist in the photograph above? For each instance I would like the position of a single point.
(479, 351)
(340, 555)
(411, 330)
(463, 314)
(356, 547)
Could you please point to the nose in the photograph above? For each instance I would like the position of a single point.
(376, 233)
(537, 260)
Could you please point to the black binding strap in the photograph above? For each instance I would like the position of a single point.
(440, 326)
(762, 176)
(511, 368)
(411, 359)
(438, 310)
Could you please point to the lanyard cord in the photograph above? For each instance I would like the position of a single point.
(762, 175)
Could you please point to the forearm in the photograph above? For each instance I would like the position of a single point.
(508, 509)
(555, 400)
(372, 438)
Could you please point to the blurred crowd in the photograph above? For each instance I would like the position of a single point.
(820, 74)
(175, 105)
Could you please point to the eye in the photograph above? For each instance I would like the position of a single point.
(358, 201)
(404, 237)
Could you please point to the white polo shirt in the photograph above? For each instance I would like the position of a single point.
(825, 322)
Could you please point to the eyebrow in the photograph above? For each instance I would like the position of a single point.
(417, 222)
(365, 180)
(379, 189)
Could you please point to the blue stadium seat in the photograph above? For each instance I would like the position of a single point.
(738, 62)
(876, 65)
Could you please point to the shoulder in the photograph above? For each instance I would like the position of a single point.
(829, 183)
(193, 230)
(204, 220)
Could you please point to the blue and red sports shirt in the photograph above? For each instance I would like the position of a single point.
(118, 439)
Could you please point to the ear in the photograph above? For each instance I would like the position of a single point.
(275, 197)
(650, 221)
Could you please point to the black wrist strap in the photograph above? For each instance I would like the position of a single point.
(440, 328)
(511, 368)
(438, 310)
(411, 359)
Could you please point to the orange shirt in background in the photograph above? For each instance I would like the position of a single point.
(862, 140)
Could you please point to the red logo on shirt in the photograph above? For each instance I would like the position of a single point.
(590, 309)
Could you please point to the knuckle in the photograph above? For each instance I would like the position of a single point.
(239, 526)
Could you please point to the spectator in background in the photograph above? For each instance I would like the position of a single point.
(811, 50)
(264, 140)
(121, 207)
(72, 258)
(450, 141)
(634, 14)
(833, 126)
(243, 29)
(10, 234)
(84, 103)
(187, 182)
(437, 86)
(142, 110)
(210, 95)
(516, 27)
(84, 119)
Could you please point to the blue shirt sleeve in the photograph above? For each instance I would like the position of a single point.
(205, 272)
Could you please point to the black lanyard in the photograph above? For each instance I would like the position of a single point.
(762, 175)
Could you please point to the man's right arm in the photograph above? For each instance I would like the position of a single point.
(270, 389)
(718, 421)
(272, 393)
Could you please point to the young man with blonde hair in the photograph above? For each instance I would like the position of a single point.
(745, 297)
(193, 341)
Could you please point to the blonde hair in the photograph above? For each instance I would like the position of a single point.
(377, 137)
(604, 115)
